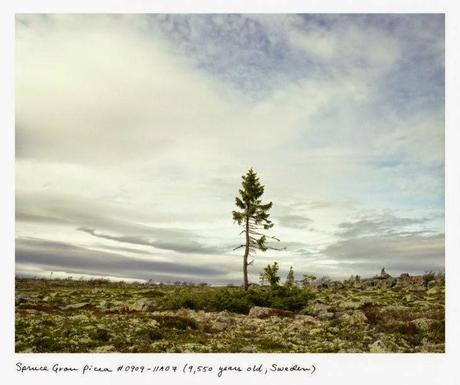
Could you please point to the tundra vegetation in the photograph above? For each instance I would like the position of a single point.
(378, 314)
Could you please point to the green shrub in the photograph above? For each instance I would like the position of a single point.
(237, 300)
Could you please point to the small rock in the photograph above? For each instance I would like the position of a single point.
(221, 326)
(143, 305)
(354, 318)
(325, 315)
(318, 308)
(75, 306)
(423, 324)
(265, 312)
(153, 324)
(320, 311)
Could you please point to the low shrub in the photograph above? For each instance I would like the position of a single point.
(237, 300)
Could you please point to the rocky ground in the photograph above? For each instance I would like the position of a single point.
(386, 315)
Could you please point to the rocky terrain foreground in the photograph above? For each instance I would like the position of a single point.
(383, 314)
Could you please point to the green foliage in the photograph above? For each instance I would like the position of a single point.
(283, 298)
(290, 280)
(253, 216)
(250, 204)
(237, 300)
(270, 275)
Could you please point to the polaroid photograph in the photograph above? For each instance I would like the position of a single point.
(221, 196)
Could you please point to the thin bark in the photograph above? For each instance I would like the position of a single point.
(245, 256)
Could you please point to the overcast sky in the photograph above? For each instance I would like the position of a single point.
(132, 133)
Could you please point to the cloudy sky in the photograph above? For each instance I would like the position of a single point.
(132, 133)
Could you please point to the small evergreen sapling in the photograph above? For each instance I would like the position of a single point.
(270, 275)
(290, 280)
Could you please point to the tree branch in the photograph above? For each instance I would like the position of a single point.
(267, 236)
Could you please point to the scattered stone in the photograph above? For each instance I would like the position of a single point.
(325, 315)
(317, 308)
(153, 324)
(143, 305)
(405, 280)
(221, 326)
(354, 318)
(265, 312)
(320, 311)
(423, 324)
(76, 306)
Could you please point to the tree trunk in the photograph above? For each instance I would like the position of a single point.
(245, 257)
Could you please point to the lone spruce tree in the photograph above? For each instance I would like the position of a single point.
(253, 217)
